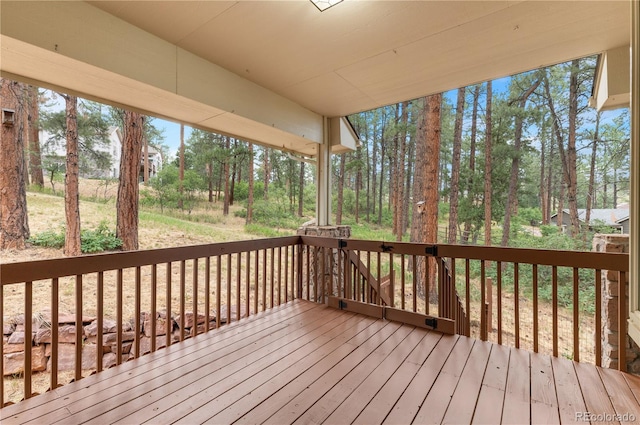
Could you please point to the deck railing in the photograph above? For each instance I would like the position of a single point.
(167, 295)
(172, 294)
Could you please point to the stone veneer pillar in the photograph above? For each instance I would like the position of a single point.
(331, 259)
(614, 243)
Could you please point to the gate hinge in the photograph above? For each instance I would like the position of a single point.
(342, 304)
(431, 250)
(432, 321)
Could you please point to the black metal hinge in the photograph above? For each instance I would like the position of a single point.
(342, 304)
(433, 322)
(342, 243)
(431, 250)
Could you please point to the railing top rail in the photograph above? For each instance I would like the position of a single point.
(547, 257)
(59, 267)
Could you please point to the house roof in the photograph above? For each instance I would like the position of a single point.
(269, 71)
(608, 216)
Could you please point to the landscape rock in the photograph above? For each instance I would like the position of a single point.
(14, 362)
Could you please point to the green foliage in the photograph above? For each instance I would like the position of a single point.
(48, 239)
(96, 240)
(100, 239)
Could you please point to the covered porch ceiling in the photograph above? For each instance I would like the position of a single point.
(270, 71)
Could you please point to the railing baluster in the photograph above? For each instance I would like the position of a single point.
(576, 316)
(467, 296)
(392, 294)
(598, 326)
(402, 280)
(100, 311)
(28, 337)
(183, 293)
(554, 306)
(516, 302)
(264, 279)
(483, 300)
(247, 284)
(55, 284)
(218, 290)
(427, 284)
(286, 274)
(271, 276)
(137, 300)
(229, 289)
(154, 307)
(499, 299)
(378, 279)
(119, 320)
(194, 327)
(256, 278)
(238, 284)
(414, 287)
(535, 308)
(207, 292)
(79, 329)
(168, 316)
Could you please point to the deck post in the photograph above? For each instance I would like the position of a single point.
(323, 178)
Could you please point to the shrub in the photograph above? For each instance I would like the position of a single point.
(97, 240)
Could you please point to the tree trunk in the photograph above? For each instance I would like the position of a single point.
(572, 178)
(250, 196)
(512, 194)
(340, 200)
(301, 191)
(424, 228)
(455, 168)
(181, 171)
(487, 167)
(267, 172)
(543, 187)
(210, 180)
(400, 172)
(234, 169)
(472, 162)
(550, 177)
(225, 205)
(71, 183)
(394, 165)
(374, 166)
(14, 224)
(358, 185)
(128, 189)
(592, 170)
(382, 152)
(35, 158)
(406, 207)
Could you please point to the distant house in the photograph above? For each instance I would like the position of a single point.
(616, 218)
(54, 151)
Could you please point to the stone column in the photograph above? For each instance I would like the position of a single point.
(614, 243)
(316, 275)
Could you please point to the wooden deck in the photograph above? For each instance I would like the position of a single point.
(307, 363)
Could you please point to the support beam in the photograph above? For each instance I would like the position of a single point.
(634, 233)
(323, 179)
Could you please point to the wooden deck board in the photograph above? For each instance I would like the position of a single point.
(382, 403)
(517, 398)
(544, 401)
(570, 398)
(309, 363)
(492, 391)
